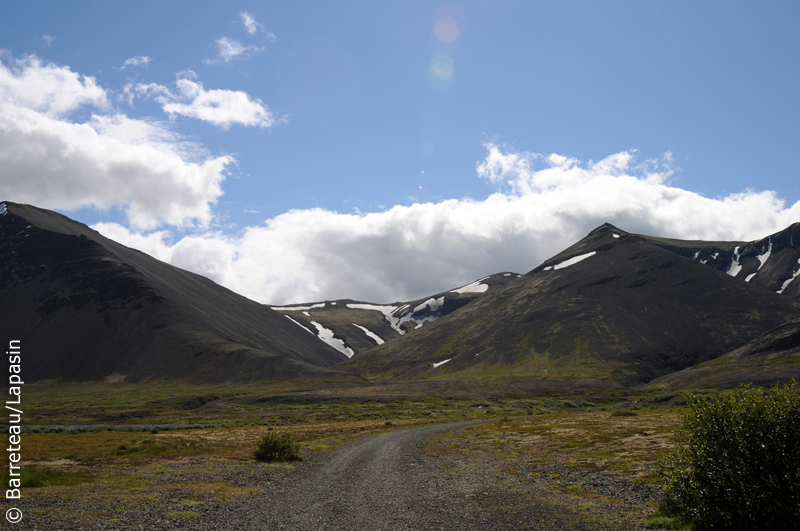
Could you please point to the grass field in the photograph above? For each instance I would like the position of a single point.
(151, 452)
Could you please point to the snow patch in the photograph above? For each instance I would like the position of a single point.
(371, 334)
(506, 274)
(715, 256)
(764, 256)
(327, 336)
(696, 255)
(391, 312)
(3, 210)
(440, 363)
(548, 268)
(615, 235)
(298, 308)
(475, 287)
(574, 260)
(307, 314)
(387, 312)
(750, 276)
(298, 324)
(433, 304)
(735, 266)
(794, 276)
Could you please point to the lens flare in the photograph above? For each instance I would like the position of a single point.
(446, 29)
(442, 66)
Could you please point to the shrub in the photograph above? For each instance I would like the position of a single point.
(624, 413)
(277, 446)
(740, 465)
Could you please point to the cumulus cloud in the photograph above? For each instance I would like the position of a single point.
(230, 49)
(139, 60)
(222, 108)
(408, 252)
(104, 159)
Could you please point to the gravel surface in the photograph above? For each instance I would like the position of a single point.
(381, 483)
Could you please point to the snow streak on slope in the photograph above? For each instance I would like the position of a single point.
(735, 266)
(298, 324)
(440, 363)
(433, 304)
(326, 335)
(390, 313)
(789, 281)
(572, 261)
(764, 256)
(370, 333)
(298, 308)
(475, 287)
(3, 210)
(387, 312)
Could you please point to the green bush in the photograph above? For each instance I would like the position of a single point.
(739, 466)
(624, 413)
(277, 446)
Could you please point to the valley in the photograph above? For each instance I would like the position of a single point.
(147, 386)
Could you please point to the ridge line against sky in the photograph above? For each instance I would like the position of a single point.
(295, 155)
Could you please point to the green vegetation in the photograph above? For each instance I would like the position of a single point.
(739, 466)
(623, 413)
(276, 446)
(32, 477)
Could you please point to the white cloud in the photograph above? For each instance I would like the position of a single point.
(103, 159)
(139, 60)
(409, 252)
(222, 108)
(252, 26)
(231, 49)
(47, 40)
(47, 89)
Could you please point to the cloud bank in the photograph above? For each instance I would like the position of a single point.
(62, 145)
(408, 252)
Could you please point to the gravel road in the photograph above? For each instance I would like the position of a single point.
(381, 483)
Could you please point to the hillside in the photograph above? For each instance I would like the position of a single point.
(614, 306)
(88, 308)
(353, 327)
(772, 262)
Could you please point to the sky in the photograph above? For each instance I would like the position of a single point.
(385, 151)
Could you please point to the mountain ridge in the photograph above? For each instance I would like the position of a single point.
(91, 307)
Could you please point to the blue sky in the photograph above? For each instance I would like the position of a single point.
(298, 151)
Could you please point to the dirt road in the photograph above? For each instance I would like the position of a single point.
(381, 483)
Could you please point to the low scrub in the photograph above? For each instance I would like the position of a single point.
(624, 413)
(739, 466)
(277, 446)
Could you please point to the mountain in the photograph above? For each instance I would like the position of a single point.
(770, 358)
(772, 262)
(88, 308)
(615, 306)
(353, 327)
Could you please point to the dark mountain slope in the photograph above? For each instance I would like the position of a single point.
(772, 262)
(614, 306)
(360, 326)
(770, 358)
(86, 307)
